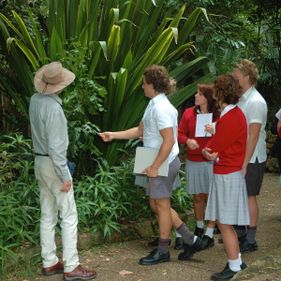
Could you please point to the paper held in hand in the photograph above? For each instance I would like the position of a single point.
(201, 121)
(145, 156)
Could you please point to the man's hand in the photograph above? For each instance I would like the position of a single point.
(151, 172)
(66, 186)
(106, 136)
(208, 154)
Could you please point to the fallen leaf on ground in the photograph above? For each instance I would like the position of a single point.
(125, 272)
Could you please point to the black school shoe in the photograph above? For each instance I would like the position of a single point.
(190, 250)
(199, 232)
(155, 257)
(246, 246)
(207, 242)
(227, 273)
(178, 243)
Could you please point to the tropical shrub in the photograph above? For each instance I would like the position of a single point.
(19, 208)
(112, 42)
(16, 159)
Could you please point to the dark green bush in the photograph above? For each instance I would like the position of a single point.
(19, 208)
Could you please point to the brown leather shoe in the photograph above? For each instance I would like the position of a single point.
(55, 269)
(79, 273)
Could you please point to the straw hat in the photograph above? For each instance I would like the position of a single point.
(52, 78)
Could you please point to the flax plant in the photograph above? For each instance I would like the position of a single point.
(117, 40)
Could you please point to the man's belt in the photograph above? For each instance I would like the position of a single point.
(40, 154)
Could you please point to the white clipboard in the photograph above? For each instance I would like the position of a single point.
(201, 121)
(145, 156)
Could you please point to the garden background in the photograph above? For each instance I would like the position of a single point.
(108, 44)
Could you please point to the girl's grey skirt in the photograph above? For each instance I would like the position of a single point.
(228, 200)
(199, 176)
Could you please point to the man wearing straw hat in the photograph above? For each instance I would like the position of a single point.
(50, 142)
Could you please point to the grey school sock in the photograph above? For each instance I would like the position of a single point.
(163, 245)
(187, 236)
(251, 234)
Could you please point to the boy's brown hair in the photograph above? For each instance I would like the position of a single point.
(247, 67)
(158, 76)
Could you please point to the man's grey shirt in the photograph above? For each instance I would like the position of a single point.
(49, 131)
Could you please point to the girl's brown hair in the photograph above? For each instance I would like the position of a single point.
(227, 89)
(208, 92)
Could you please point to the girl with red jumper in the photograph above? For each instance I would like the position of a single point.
(227, 203)
(199, 171)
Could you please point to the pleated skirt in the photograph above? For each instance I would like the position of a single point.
(199, 176)
(228, 200)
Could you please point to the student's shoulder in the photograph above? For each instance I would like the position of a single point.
(256, 97)
(164, 105)
(189, 111)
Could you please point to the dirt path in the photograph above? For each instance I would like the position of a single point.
(109, 260)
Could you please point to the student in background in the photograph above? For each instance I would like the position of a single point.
(227, 203)
(255, 109)
(198, 170)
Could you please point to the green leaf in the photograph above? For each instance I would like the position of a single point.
(190, 24)
(38, 41)
(188, 69)
(9, 23)
(153, 55)
(177, 54)
(113, 43)
(25, 35)
(56, 45)
(34, 62)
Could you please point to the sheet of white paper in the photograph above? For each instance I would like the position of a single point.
(201, 121)
(145, 157)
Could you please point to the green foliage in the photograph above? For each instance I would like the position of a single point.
(112, 42)
(19, 212)
(16, 160)
(103, 201)
(219, 39)
(82, 103)
(181, 200)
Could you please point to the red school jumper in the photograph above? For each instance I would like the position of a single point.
(230, 142)
(186, 130)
